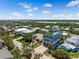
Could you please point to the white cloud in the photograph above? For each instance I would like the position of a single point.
(29, 10)
(73, 3)
(25, 5)
(66, 16)
(0, 15)
(16, 15)
(59, 16)
(28, 7)
(47, 5)
(76, 16)
(35, 8)
(32, 9)
(30, 14)
(46, 12)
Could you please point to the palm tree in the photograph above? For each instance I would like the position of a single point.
(29, 37)
(37, 56)
(8, 41)
(49, 47)
(16, 53)
(26, 51)
(60, 54)
(71, 29)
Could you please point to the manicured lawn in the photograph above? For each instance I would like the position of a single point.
(49, 33)
(46, 53)
(16, 36)
(34, 46)
(73, 54)
(22, 41)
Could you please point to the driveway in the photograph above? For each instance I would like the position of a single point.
(17, 43)
(46, 57)
(41, 49)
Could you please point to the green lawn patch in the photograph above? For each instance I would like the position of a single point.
(49, 33)
(46, 53)
(37, 45)
(73, 54)
(16, 36)
(22, 41)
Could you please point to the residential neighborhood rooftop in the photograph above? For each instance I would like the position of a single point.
(5, 54)
(24, 30)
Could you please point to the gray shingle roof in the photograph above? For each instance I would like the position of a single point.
(5, 54)
(1, 40)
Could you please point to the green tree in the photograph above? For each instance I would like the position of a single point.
(37, 56)
(8, 41)
(49, 47)
(71, 29)
(26, 51)
(59, 54)
(37, 31)
(29, 37)
(16, 53)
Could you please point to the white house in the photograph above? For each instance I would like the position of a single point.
(67, 46)
(64, 33)
(47, 27)
(46, 30)
(67, 29)
(34, 29)
(22, 31)
(73, 40)
(71, 43)
(39, 36)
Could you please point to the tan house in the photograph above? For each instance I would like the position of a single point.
(39, 37)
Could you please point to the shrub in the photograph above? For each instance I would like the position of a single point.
(59, 54)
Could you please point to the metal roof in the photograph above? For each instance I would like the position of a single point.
(67, 46)
(24, 30)
(74, 40)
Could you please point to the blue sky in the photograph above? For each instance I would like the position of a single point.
(39, 9)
